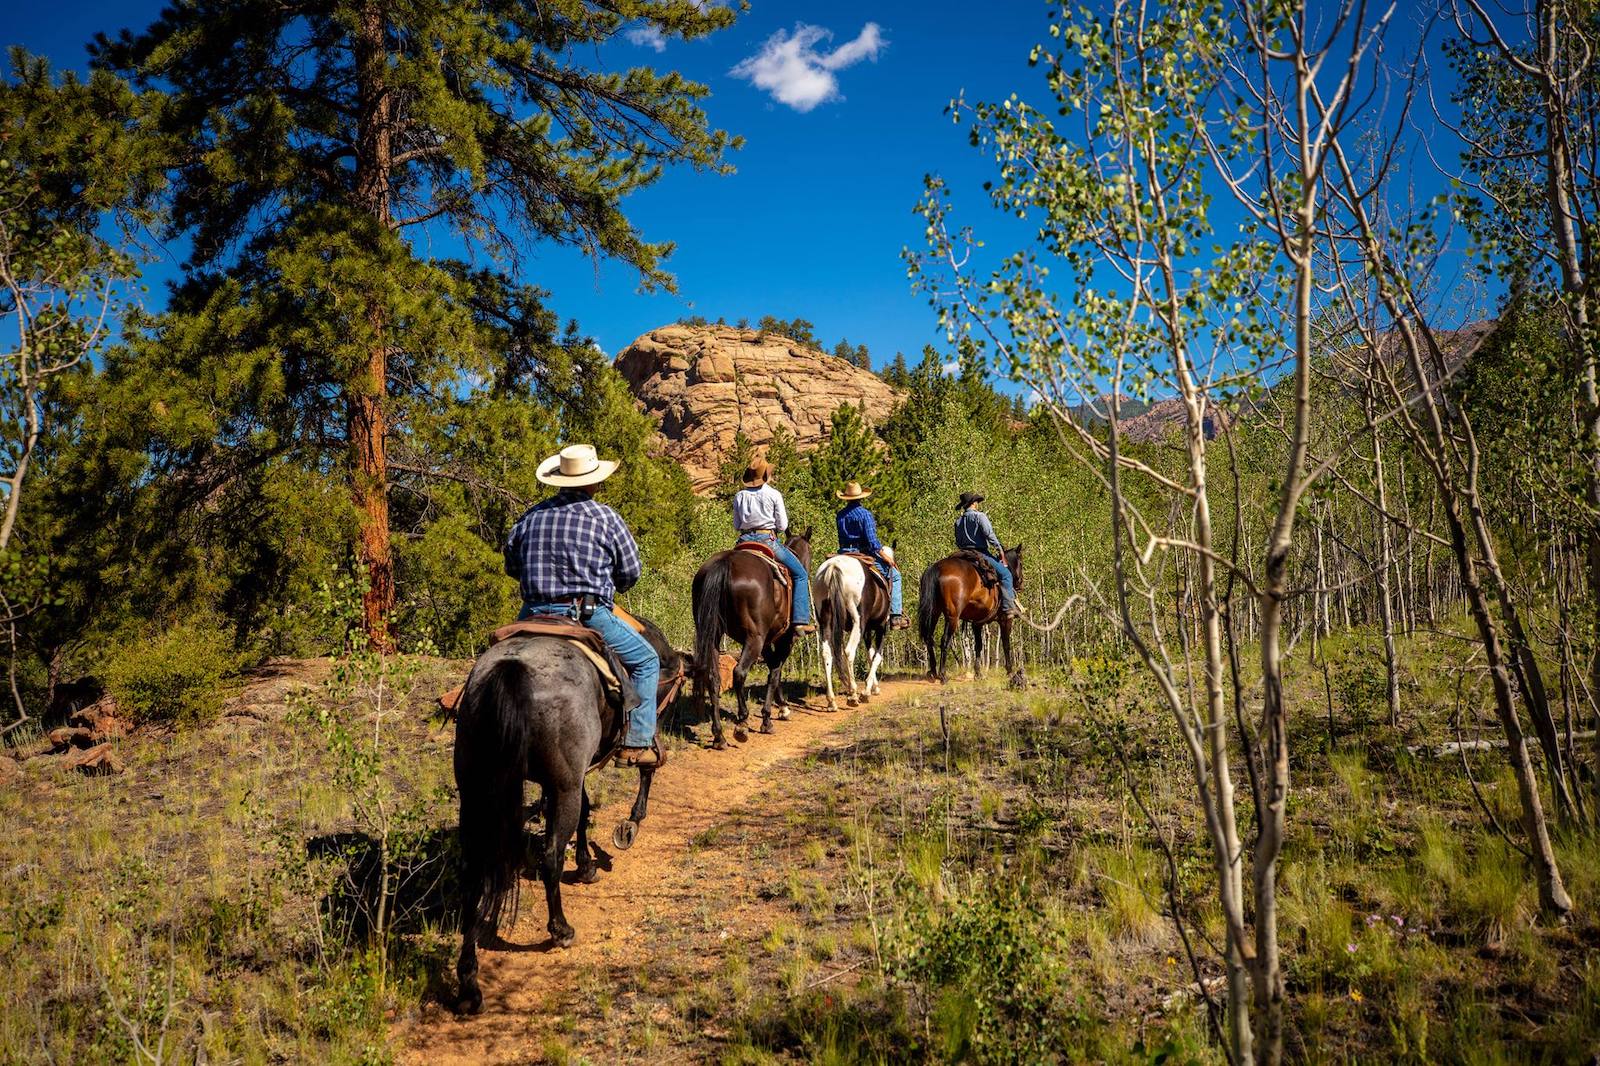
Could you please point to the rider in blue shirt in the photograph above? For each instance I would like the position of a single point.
(974, 531)
(858, 532)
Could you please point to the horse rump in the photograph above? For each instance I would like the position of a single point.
(491, 755)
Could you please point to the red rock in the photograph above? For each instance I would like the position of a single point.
(96, 761)
(704, 384)
(71, 737)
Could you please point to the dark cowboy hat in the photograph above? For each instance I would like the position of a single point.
(968, 499)
(757, 473)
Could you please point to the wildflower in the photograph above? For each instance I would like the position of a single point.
(1171, 961)
(1373, 919)
(1356, 996)
(1351, 948)
(1397, 920)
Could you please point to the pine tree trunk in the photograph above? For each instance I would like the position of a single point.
(365, 396)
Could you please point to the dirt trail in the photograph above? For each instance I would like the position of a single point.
(697, 789)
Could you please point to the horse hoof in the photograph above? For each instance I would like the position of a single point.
(741, 735)
(1017, 682)
(564, 940)
(720, 744)
(783, 715)
(766, 727)
(832, 708)
(623, 835)
(470, 1001)
(852, 702)
(866, 697)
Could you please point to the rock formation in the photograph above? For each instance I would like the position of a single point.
(707, 383)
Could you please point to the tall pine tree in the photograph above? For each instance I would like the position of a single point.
(322, 134)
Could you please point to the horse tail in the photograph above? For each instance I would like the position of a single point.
(491, 762)
(711, 586)
(928, 602)
(830, 582)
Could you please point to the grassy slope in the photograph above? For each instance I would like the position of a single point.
(1006, 905)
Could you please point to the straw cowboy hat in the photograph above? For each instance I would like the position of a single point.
(757, 473)
(853, 491)
(574, 466)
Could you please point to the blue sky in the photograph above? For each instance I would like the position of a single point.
(813, 222)
(843, 110)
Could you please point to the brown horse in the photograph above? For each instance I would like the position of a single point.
(953, 590)
(736, 594)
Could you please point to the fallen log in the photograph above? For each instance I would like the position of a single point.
(1456, 747)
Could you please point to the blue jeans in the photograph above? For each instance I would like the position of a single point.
(1008, 590)
(640, 659)
(800, 610)
(893, 574)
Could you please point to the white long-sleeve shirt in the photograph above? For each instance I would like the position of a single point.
(759, 508)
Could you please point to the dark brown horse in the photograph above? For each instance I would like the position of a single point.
(953, 590)
(534, 709)
(736, 594)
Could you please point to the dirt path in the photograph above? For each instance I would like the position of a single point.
(697, 789)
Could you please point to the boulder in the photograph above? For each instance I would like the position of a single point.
(71, 737)
(100, 719)
(706, 384)
(97, 761)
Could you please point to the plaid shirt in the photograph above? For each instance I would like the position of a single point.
(572, 545)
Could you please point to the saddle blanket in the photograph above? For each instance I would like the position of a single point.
(765, 554)
(585, 640)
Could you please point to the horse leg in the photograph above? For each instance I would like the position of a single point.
(747, 658)
(625, 832)
(977, 650)
(470, 997)
(950, 628)
(708, 680)
(560, 821)
(775, 655)
(874, 660)
(1014, 676)
(588, 869)
(851, 643)
(827, 668)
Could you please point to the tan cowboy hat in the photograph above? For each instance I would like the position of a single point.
(574, 466)
(853, 491)
(757, 473)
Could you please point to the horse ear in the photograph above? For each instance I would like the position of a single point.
(807, 534)
(1018, 548)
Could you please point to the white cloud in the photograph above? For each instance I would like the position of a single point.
(648, 35)
(790, 67)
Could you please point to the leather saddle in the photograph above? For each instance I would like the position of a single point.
(768, 556)
(870, 565)
(981, 563)
(613, 677)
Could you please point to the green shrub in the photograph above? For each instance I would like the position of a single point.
(177, 677)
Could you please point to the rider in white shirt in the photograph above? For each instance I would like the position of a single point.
(759, 515)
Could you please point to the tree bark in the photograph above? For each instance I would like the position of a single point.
(365, 396)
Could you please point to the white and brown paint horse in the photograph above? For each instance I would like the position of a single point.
(850, 607)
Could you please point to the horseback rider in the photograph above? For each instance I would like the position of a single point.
(974, 532)
(759, 515)
(571, 554)
(858, 532)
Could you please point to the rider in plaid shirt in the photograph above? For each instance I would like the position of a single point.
(572, 547)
